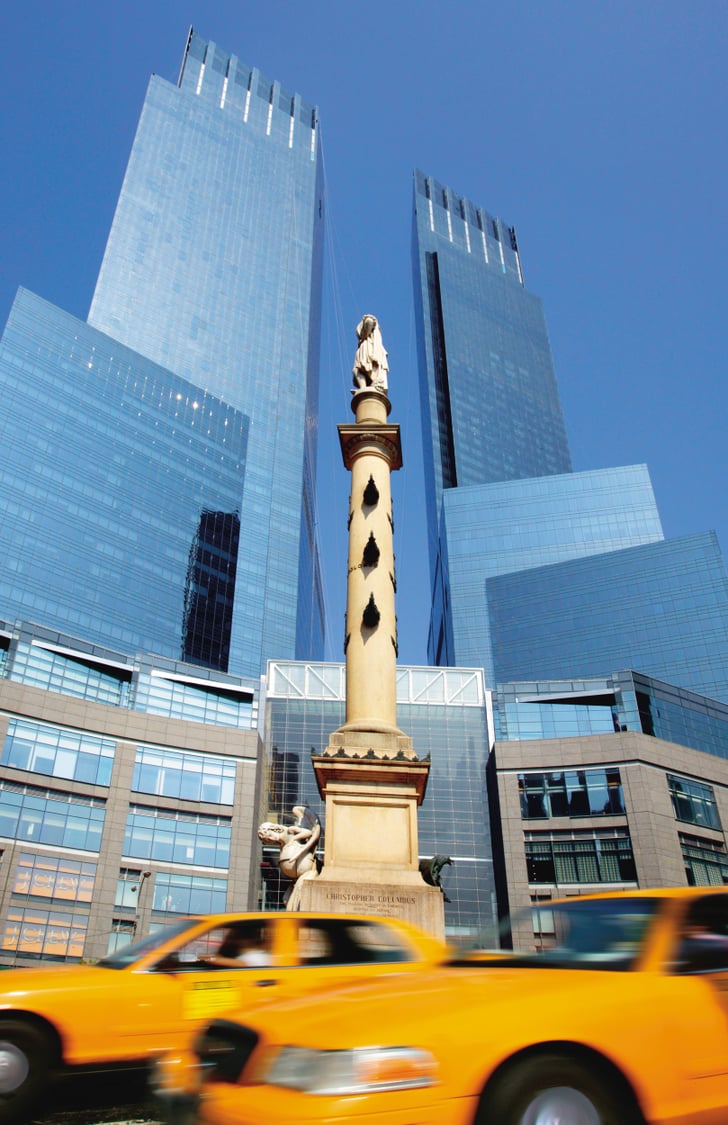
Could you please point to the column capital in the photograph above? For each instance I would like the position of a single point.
(381, 440)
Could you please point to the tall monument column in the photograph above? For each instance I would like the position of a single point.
(369, 775)
(371, 450)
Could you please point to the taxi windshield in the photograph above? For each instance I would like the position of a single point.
(131, 953)
(579, 933)
(592, 933)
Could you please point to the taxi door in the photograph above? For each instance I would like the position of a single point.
(307, 955)
(198, 980)
(235, 981)
(701, 962)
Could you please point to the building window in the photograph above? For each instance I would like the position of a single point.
(175, 837)
(122, 933)
(189, 776)
(83, 678)
(542, 916)
(127, 888)
(572, 793)
(50, 877)
(48, 934)
(564, 858)
(175, 699)
(693, 802)
(189, 894)
(47, 817)
(706, 862)
(58, 752)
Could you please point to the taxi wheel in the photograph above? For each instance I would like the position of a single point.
(24, 1065)
(551, 1089)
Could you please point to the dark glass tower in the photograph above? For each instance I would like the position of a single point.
(210, 590)
(490, 403)
(537, 572)
(206, 313)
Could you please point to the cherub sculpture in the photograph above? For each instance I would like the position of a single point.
(297, 843)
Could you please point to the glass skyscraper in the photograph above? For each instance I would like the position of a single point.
(158, 475)
(109, 466)
(537, 572)
(661, 609)
(493, 529)
(213, 269)
(490, 404)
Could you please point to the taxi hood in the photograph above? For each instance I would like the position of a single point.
(407, 1007)
(47, 978)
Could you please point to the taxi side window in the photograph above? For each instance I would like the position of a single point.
(243, 945)
(349, 943)
(236, 946)
(703, 943)
(193, 953)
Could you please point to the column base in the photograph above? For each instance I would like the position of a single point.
(420, 905)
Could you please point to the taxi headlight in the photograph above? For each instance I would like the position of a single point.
(359, 1071)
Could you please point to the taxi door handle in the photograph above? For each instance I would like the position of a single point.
(265, 983)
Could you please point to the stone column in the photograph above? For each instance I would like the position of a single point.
(369, 774)
(371, 450)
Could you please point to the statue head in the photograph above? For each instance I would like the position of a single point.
(274, 834)
(366, 326)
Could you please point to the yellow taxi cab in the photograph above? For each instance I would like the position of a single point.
(147, 997)
(613, 1011)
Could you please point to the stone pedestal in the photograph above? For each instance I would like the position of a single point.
(373, 784)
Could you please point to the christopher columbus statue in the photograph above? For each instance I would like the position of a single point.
(370, 362)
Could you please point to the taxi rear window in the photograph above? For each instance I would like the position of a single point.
(330, 942)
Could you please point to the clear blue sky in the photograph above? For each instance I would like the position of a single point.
(597, 129)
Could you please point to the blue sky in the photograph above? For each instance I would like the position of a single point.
(597, 129)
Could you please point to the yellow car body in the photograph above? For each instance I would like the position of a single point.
(622, 1021)
(150, 996)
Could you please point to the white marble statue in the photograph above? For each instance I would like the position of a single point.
(370, 362)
